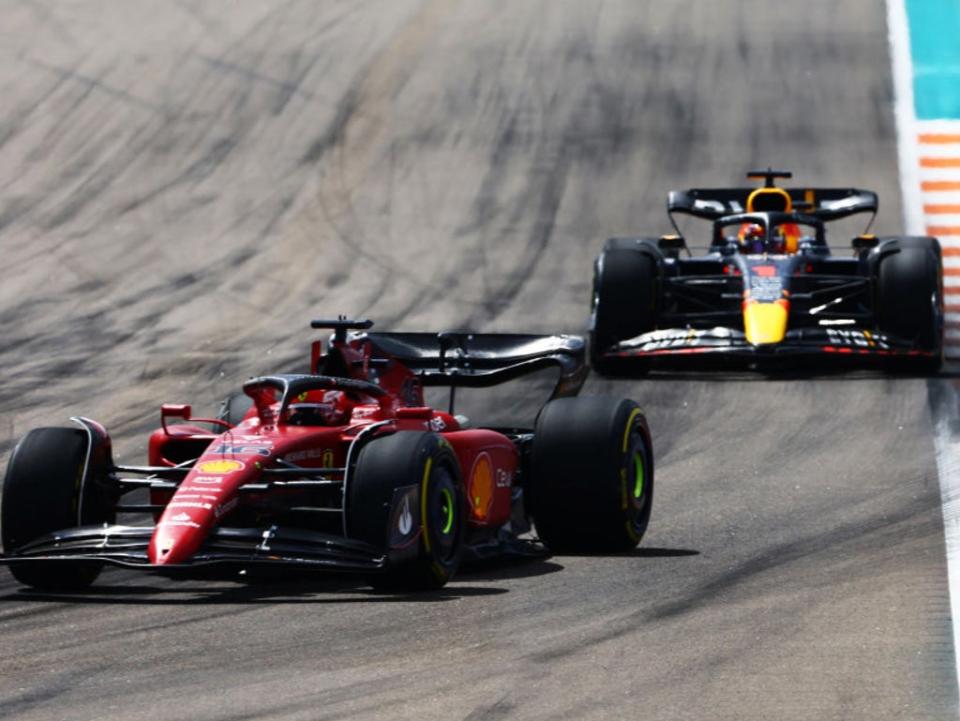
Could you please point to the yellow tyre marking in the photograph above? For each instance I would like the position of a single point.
(626, 432)
(423, 503)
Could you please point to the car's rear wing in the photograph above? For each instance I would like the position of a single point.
(822, 203)
(479, 360)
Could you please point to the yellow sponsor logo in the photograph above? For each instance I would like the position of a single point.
(481, 486)
(765, 322)
(220, 467)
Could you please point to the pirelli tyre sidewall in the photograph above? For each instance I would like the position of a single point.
(45, 490)
(404, 459)
(625, 297)
(909, 298)
(592, 479)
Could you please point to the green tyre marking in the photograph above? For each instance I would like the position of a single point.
(446, 510)
(638, 482)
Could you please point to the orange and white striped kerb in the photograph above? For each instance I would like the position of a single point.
(938, 161)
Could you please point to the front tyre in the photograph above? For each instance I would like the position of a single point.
(623, 306)
(234, 409)
(44, 491)
(910, 300)
(591, 475)
(403, 459)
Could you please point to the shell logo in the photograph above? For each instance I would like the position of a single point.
(481, 487)
(220, 467)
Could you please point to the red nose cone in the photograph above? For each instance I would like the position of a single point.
(160, 552)
(195, 508)
(176, 539)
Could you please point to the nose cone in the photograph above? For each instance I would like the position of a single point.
(200, 502)
(765, 323)
(177, 537)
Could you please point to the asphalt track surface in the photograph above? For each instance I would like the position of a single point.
(183, 185)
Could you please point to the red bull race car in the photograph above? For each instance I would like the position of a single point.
(341, 469)
(768, 288)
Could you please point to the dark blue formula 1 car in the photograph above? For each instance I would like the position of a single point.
(768, 287)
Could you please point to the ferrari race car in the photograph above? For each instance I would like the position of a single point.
(342, 469)
(768, 286)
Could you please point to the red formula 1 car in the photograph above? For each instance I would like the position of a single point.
(344, 469)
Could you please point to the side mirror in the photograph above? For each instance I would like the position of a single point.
(180, 411)
(729, 247)
(671, 245)
(864, 242)
(671, 242)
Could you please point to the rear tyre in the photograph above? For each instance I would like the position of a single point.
(42, 494)
(910, 301)
(623, 306)
(591, 475)
(402, 459)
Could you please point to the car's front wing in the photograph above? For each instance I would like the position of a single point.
(820, 341)
(240, 547)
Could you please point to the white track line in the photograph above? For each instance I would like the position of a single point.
(906, 122)
(948, 468)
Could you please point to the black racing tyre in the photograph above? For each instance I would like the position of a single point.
(42, 494)
(234, 408)
(591, 475)
(623, 305)
(910, 301)
(402, 459)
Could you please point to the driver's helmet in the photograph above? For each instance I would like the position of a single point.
(788, 237)
(779, 240)
(314, 408)
(751, 238)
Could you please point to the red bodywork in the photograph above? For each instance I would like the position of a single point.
(210, 496)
